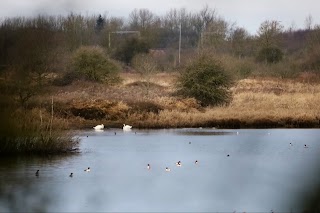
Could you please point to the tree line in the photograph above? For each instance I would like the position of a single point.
(205, 29)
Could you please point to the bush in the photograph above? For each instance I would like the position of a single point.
(270, 55)
(205, 80)
(92, 64)
(312, 59)
(144, 107)
(130, 48)
(23, 132)
(238, 68)
(244, 70)
(66, 79)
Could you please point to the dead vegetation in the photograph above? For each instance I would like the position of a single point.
(257, 103)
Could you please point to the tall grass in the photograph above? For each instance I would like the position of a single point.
(23, 132)
(257, 102)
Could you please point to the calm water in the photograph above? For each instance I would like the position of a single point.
(262, 172)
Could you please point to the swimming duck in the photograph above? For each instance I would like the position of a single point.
(148, 166)
(167, 169)
(178, 164)
(71, 174)
(37, 172)
(305, 146)
(196, 162)
(87, 170)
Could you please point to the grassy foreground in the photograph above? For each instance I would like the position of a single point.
(257, 103)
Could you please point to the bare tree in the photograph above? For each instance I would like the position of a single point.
(134, 19)
(72, 26)
(141, 19)
(308, 22)
(171, 20)
(269, 33)
(313, 38)
(203, 19)
(215, 34)
(239, 38)
(115, 23)
(146, 66)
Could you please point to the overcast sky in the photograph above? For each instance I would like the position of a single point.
(246, 13)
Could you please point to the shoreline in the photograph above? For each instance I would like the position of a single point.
(288, 123)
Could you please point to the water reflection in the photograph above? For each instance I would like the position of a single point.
(19, 184)
(237, 170)
(204, 132)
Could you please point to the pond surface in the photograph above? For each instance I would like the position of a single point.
(237, 170)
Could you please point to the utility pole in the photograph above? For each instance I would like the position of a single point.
(180, 43)
(109, 40)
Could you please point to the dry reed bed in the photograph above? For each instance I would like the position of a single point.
(256, 103)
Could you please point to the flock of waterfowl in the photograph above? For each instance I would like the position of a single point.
(125, 128)
(101, 127)
(129, 128)
(178, 164)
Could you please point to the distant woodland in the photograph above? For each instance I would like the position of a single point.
(45, 44)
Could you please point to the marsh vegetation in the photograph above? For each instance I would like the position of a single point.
(61, 73)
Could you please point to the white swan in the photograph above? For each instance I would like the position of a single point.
(126, 127)
(99, 127)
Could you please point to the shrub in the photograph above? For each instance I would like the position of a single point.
(205, 80)
(22, 132)
(66, 79)
(312, 59)
(146, 66)
(92, 64)
(130, 48)
(144, 106)
(270, 55)
(238, 68)
(244, 70)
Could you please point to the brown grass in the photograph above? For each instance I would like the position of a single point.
(34, 132)
(257, 102)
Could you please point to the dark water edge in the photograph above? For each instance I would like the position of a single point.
(264, 123)
(27, 155)
(218, 124)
